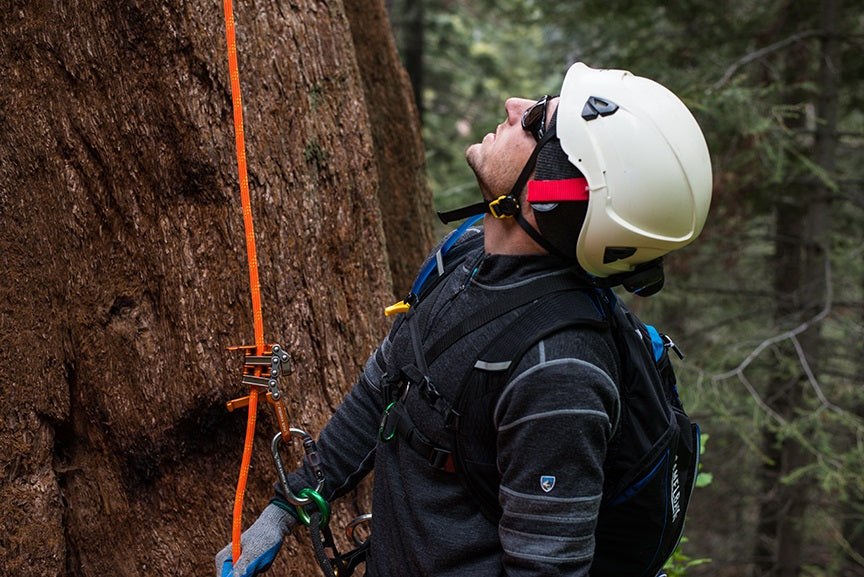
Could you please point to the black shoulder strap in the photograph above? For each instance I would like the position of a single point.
(474, 446)
(539, 290)
(548, 316)
(536, 290)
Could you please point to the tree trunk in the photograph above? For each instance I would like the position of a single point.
(851, 527)
(409, 25)
(406, 201)
(800, 288)
(124, 266)
(781, 513)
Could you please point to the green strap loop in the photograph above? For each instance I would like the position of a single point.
(320, 502)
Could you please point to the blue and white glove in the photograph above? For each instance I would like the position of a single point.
(258, 544)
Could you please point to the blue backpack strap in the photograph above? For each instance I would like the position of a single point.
(433, 266)
(658, 344)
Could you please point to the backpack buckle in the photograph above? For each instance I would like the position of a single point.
(670, 344)
(428, 390)
(451, 420)
(402, 306)
(442, 460)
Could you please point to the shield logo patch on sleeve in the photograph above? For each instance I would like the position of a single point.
(547, 482)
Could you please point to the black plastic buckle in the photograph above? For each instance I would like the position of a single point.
(428, 391)
(410, 298)
(452, 419)
(440, 459)
(668, 343)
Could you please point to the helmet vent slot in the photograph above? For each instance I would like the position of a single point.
(614, 253)
(595, 107)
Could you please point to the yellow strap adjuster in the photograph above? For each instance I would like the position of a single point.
(505, 206)
(395, 309)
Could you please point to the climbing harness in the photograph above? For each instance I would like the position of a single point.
(264, 365)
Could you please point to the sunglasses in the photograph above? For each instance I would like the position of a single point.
(534, 119)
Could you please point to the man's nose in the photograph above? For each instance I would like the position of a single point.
(516, 107)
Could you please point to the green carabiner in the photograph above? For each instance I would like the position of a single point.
(320, 502)
(384, 418)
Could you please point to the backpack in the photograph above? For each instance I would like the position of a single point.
(651, 463)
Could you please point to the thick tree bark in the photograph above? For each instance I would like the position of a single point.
(406, 202)
(124, 267)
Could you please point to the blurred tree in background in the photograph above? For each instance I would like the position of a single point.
(768, 303)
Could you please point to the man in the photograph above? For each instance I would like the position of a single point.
(591, 187)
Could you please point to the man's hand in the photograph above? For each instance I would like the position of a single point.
(259, 544)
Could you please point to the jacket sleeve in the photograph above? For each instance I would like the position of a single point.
(554, 421)
(346, 445)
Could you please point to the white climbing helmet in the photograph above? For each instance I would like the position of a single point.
(646, 164)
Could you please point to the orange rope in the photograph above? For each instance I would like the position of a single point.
(237, 524)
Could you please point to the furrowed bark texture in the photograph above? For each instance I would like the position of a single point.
(124, 264)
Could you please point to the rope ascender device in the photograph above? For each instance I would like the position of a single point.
(264, 366)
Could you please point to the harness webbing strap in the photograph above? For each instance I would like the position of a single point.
(553, 309)
(544, 318)
(540, 293)
(510, 300)
(257, 318)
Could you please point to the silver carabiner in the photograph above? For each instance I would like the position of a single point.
(349, 529)
(283, 475)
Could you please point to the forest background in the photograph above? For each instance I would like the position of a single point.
(767, 304)
(124, 274)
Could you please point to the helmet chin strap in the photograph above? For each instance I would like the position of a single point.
(508, 205)
(645, 280)
(539, 239)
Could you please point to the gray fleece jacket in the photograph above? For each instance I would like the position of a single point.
(553, 419)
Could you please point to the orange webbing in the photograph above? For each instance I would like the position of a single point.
(253, 275)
